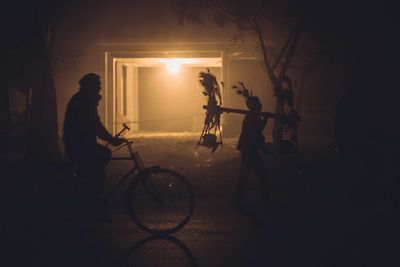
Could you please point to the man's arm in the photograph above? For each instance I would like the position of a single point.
(103, 134)
(264, 114)
(281, 116)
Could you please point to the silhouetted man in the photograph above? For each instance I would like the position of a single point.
(82, 127)
(251, 140)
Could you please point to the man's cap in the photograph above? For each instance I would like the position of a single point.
(90, 79)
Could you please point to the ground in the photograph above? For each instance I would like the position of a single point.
(325, 215)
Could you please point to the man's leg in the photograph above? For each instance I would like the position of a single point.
(88, 175)
(97, 182)
(261, 172)
(243, 175)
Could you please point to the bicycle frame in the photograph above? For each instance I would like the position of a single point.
(138, 166)
(147, 179)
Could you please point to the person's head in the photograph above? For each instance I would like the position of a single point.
(253, 103)
(90, 84)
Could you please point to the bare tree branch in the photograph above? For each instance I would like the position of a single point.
(222, 12)
(260, 35)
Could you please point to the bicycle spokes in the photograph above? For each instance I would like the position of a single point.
(161, 201)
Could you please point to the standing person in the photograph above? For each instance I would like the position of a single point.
(251, 140)
(82, 127)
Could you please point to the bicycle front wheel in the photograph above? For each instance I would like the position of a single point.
(160, 201)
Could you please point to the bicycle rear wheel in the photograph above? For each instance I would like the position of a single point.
(160, 201)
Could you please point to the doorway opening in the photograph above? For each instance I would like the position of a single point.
(159, 95)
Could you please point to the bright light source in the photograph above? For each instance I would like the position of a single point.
(173, 66)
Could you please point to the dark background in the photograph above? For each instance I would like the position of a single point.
(363, 36)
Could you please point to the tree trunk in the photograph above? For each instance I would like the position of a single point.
(27, 64)
(44, 137)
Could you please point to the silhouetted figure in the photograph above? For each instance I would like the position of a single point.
(82, 127)
(251, 140)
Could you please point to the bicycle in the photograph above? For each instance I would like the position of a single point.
(159, 200)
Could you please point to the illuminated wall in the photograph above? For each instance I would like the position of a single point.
(89, 31)
(171, 102)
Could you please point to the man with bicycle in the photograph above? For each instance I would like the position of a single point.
(82, 127)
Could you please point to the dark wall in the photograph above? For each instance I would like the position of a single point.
(367, 115)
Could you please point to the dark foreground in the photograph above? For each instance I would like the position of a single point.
(330, 212)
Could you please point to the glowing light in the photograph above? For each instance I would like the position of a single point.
(173, 66)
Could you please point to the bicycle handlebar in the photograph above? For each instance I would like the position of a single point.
(125, 127)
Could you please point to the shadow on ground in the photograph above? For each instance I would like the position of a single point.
(329, 212)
